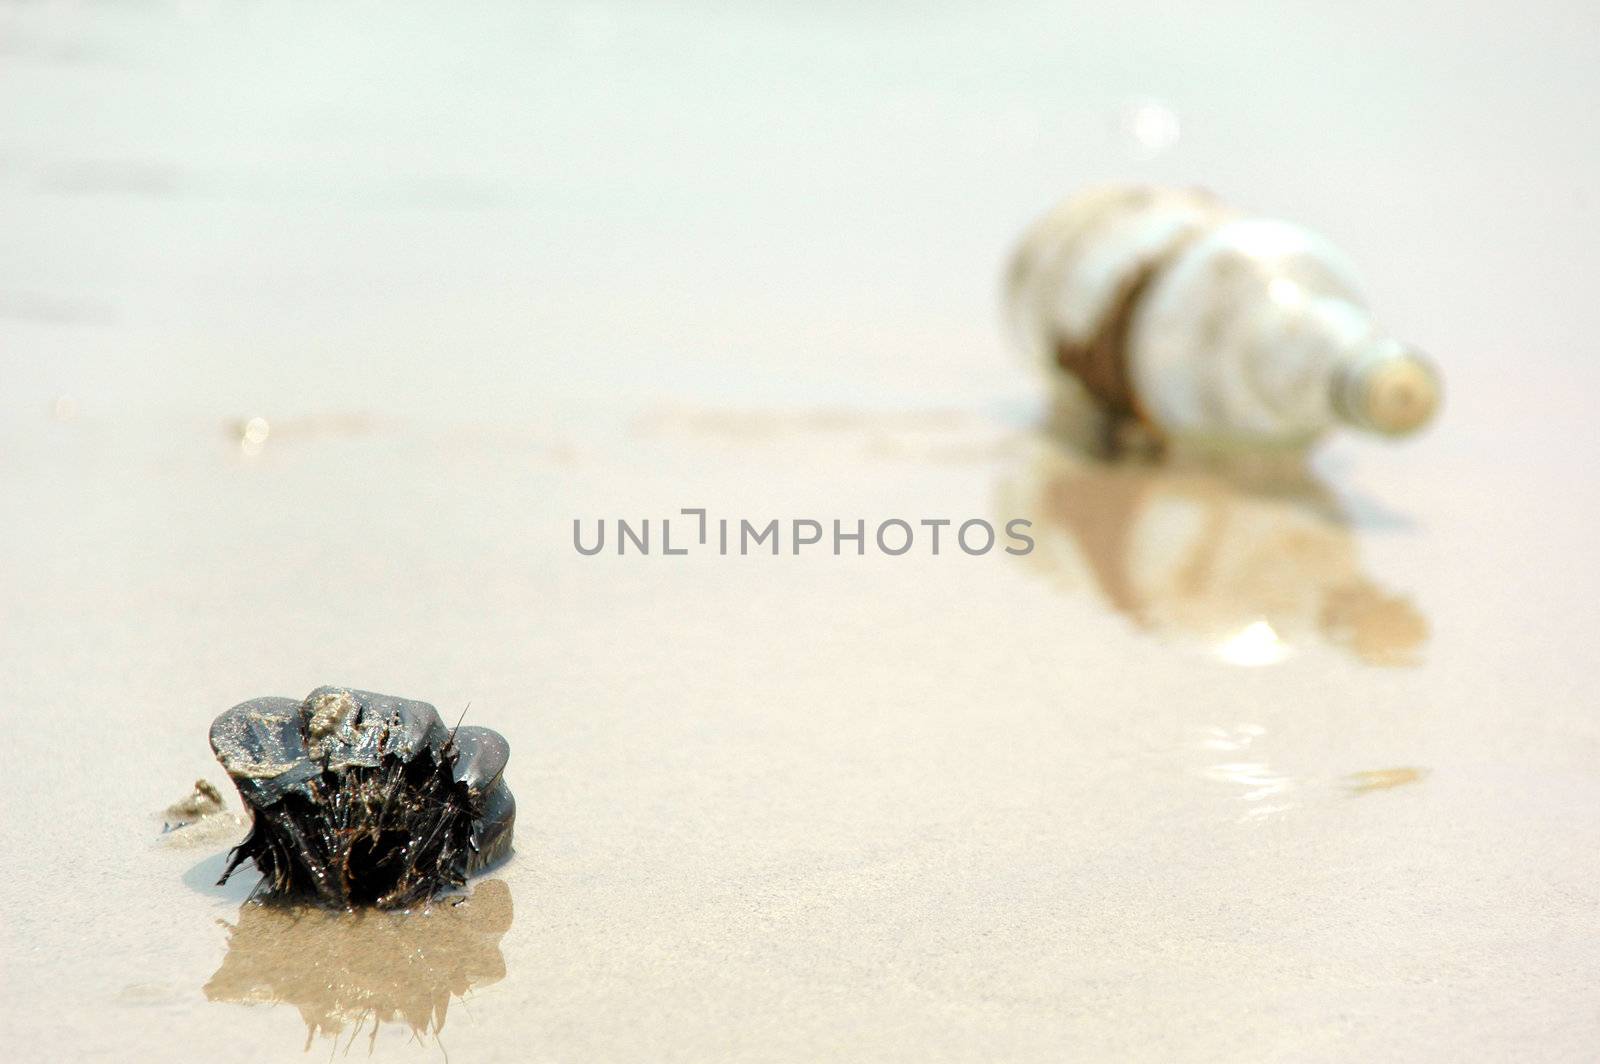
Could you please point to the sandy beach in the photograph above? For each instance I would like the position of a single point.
(1215, 772)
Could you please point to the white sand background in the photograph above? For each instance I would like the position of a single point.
(488, 268)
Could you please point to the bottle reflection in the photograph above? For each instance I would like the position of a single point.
(1251, 563)
(340, 969)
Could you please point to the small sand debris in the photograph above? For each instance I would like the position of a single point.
(199, 818)
(1383, 779)
(205, 800)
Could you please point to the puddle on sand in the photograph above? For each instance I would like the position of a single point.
(1249, 567)
(1250, 776)
(365, 969)
(1247, 775)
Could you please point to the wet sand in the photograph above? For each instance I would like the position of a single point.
(1219, 770)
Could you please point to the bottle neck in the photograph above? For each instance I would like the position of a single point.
(1322, 358)
(1386, 388)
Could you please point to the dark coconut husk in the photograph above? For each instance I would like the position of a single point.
(363, 799)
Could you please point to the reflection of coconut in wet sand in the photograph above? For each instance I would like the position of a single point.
(350, 968)
(1196, 553)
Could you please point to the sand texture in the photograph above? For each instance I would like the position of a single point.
(1219, 771)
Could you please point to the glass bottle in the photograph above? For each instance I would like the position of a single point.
(1208, 326)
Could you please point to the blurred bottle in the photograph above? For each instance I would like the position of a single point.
(1169, 309)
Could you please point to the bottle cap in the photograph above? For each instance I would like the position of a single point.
(1395, 392)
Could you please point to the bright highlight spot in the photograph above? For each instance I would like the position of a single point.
(1151, 126)
(1256, 644)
